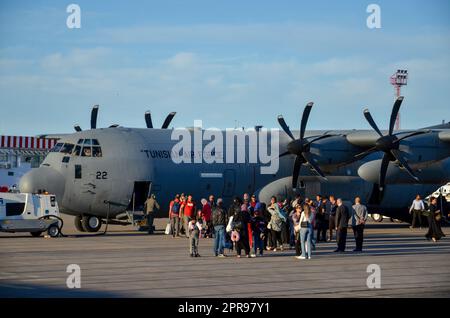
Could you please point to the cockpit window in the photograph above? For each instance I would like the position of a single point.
(84, 148)
(67, 148)
(87, 152)
(77, 151)
(96, 152)
(57, 147)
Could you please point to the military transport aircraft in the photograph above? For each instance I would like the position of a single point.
(102, 173)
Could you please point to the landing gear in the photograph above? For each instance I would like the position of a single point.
(377, 217)
(78, 224)
(35, 234)
(91, 223)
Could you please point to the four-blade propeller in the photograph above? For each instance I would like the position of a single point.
(301, 147)
(389, 144)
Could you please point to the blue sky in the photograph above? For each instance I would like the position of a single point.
(220, 61)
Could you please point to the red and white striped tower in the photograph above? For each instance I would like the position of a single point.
(399, 79)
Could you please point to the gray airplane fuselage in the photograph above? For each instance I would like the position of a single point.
(84, 185)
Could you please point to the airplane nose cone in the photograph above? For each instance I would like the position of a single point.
(43, 178)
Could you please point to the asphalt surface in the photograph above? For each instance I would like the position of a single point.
(128, 263)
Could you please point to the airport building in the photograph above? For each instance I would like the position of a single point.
(19, 154)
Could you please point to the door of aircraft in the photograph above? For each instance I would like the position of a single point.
(85, 185)
(141, 191)
(229, 182)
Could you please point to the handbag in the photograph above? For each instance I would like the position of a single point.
(304, 224)
(168, 229)
(235, 236)
(230, 222)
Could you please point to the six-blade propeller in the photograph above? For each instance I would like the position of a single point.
(301, 147)
(148, 120)
(165, 125)
(389, 144)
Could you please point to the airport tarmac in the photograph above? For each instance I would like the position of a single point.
(126, 263)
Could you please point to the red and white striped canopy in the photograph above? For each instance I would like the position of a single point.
(22, 142)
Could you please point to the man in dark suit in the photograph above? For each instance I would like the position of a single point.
(342, 217)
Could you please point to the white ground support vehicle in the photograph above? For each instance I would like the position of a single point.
(444, 191)
(26, 212)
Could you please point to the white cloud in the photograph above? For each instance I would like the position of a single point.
(182, 60)
(76, 59)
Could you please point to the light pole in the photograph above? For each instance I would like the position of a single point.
(399, 79)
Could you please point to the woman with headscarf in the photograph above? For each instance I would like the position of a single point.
(275, 224)
(240, 221)
(434, 230)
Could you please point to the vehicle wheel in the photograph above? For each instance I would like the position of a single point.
(91, 223)
(53, 230)
(35, 234)
(377, 217)
(78, 224)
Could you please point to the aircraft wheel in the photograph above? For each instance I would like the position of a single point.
(91, 223)
(377, 217)
(53, 230)
(78, 224)
(35, 234)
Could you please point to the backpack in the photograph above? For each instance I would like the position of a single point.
(176, 207)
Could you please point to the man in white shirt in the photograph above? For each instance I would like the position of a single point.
(416, 209)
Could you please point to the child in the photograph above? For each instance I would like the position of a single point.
(195, 227)
(258, 229)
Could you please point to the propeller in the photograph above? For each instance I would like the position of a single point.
(148, 119)
(389, 144)
(301, 147)
(94, 114)
(165, 125)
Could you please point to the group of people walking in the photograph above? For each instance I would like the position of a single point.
(250, 227)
